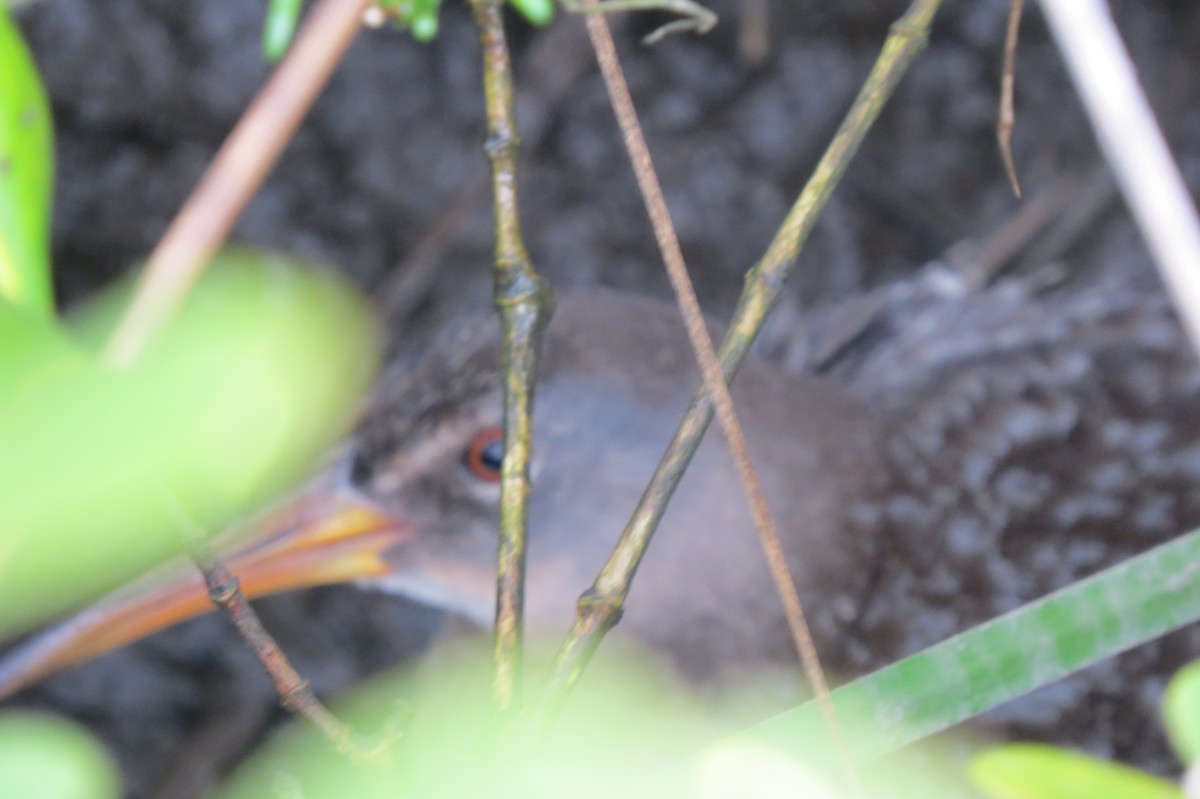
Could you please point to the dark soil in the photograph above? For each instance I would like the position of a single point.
(390, 160)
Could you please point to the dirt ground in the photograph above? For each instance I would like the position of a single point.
(383, 181)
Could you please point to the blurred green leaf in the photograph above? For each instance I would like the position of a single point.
(258, 374)
(424, 20)
(1036, 771)
(538, 12)
(421, 16)
(623, 734)
(629, 731)
(26, 175)
(1125, 605)
(1181, 712)
(49, 758)
(279, 27)
(33, 349)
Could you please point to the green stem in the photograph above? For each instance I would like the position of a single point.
(524, 303)
(601, 606)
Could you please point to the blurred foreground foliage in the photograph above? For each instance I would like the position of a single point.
(259, 373)
(100, 469)
(630, 730)
(1037, 771)
(26, 175)
(49, 758)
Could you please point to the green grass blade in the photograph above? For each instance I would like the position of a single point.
(1091, 620)
(26, 175)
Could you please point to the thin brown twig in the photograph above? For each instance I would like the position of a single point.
(763, 284)
(612, 585)
(295, 693)
(525, 304)
(235, 174)
(1006, 117)
(226, 593)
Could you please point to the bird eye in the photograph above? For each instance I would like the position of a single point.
(485, 454)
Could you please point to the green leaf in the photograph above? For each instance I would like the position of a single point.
(26, 175)
(538, 12)
(258, 374)
(279, 27)
(424, 19)
(620, 736)
(626, 733)
(1181, 712)
(421, 16)
(49, 758)
(1035, 771)
(1121, 607)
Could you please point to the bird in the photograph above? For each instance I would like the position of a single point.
(947, 459)
(410, 506)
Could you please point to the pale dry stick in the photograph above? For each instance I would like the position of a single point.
(1134, 146)
(714, 380)
(524, 303)
(599, 611)
(235, 174)
(1006, 117)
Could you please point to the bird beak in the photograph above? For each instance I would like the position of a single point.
(320, 537)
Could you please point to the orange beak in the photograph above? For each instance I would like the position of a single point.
(322, 536)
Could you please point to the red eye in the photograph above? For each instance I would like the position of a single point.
(485, 454)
